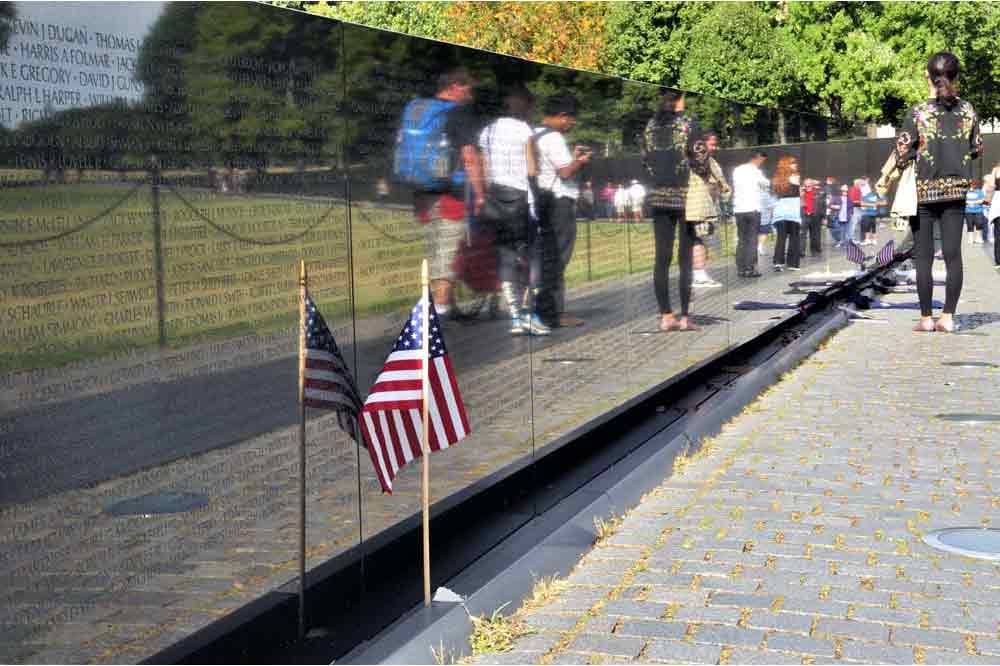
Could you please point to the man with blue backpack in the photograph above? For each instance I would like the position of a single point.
(436, 154)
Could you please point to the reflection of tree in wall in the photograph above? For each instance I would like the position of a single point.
(261, 85)
(8, 12)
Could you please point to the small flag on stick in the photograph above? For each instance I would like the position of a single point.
(328, 380)
(855, 254)
(392, 416)
(886, 254)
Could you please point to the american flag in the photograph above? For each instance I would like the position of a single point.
(886, 254)
(328, 381)
(392, 418)
(855, 253)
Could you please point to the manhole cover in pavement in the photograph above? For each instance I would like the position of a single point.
(978, 542)
(969, 418)
(568, 360)
(157, 503)
(969, 364)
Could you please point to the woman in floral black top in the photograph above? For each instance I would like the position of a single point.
(672, 148)
(942, 136)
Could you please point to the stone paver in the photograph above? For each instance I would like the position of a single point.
(804, 518)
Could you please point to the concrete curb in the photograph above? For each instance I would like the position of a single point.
(562, 539)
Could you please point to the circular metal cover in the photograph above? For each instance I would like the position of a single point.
(157, 503)
(970, 364)
(969, 418)
(568, 360)
(979, 542)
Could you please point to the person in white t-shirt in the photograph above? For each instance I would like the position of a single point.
(558, 191)
(636, 198)
(509, 160)
(621, 202)
(750, 186)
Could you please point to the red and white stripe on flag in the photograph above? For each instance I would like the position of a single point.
(392, 418)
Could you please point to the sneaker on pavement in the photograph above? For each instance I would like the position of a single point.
(517, 325)
(706, 283)
(533, 326)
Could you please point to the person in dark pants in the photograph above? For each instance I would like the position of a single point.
(993, 210)
(813, 207)
(558, 192)
(672, 147)
(787, 213)
(750, 188)
(942, 136)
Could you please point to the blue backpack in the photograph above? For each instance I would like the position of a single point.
(423, 151)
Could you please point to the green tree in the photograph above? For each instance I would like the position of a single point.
(422, 19)
(649, 41)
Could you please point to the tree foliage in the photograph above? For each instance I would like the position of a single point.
(860, 60)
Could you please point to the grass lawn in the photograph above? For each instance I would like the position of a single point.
(92, 293)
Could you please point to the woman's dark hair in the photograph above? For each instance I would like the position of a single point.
(943, 68)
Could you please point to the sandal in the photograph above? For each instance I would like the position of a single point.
(687, 325)
(942, 327)
(921, 327)
(668, 324)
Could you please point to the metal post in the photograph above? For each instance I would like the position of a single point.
(590, 275)
(161, 324)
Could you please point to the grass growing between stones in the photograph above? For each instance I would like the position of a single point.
(606, 528)
(497, 632)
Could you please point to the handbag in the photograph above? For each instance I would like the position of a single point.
(505, 212)
(904, 204)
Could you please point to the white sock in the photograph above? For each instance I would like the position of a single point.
(701, 275)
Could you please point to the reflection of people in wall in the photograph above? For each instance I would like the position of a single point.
(636, 199)
(703, 209)
(382, 190)
(621, 202)
(787, 213)
(442, 210)
(608, 201)
(557, 168)
(509, 162)
(941, 135)
(672, 147)
(750, 186)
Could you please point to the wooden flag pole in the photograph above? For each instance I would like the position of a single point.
(302, 449)
(425, 442)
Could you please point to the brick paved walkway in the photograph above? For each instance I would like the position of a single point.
(795, 535)
(78, 585)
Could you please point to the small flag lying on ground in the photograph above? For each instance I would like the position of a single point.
(328, 381)
(854, 253)
(886, 254)
(392, 417)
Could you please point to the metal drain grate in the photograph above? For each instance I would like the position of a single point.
(158, 503)
(979, 542)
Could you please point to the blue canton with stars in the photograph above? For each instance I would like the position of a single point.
(410, 339)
